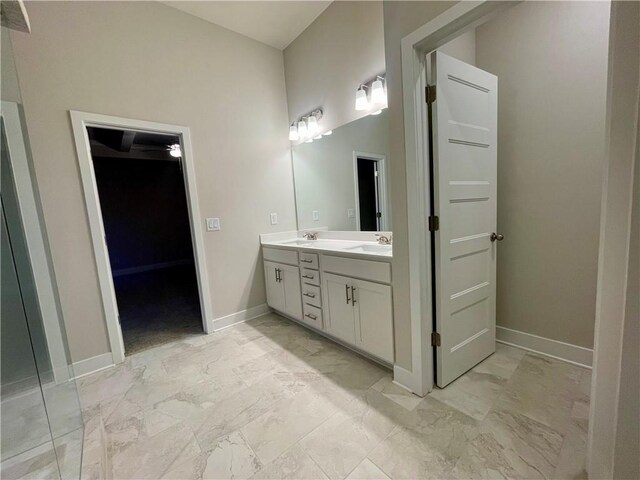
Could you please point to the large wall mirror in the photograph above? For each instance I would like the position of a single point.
(341, 180)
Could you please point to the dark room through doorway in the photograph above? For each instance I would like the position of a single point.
(143, 202)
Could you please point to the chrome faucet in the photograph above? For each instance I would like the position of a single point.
(384, 240)
(310, 235)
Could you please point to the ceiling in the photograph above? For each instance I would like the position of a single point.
(271, 22)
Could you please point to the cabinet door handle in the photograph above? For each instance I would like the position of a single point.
(308, 276)
(312, 317)
(279, 275)
(346, 292)
(275, 271)
(310, 295)
(353, 295)
(306, 261)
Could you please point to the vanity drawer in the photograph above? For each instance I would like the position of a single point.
(310, 276)
(311, 295)
(309, 260)
(312, 316)
(280, 256)
(354, 267)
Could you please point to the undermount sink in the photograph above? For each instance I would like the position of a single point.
(299, 242)
(371, 248)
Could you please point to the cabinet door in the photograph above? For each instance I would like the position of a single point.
(339, 311)
(292, 293)
(374, 318)
(275, 289)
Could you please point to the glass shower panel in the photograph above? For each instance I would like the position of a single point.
(42, 428)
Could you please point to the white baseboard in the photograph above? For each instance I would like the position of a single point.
(92, 365)
(238, 317)
(405, 379)
(567, 352)
(151, 266)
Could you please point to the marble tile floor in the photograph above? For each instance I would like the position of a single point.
(268, 399)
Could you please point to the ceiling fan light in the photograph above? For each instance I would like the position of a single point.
(175, 150)
(361, 99)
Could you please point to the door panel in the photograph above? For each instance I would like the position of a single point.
(292, 292)
(373, 309)
(339, 312)
(464, 122)
(275, 290)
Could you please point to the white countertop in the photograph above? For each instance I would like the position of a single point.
(356, 248)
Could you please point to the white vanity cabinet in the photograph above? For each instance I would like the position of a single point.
(360, 313)
(283, 288)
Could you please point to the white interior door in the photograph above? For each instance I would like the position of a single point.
(464, 136)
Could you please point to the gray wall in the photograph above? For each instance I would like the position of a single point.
(144, 60)
(551, 63)
(324, 172)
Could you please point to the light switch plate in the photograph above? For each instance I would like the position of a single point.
(351, 213)
(316, 216)
(274, 218)
(213, 224)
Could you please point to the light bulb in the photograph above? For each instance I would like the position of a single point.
(312, 125)
(378, 95)
(318, 137)
(361, 99)
(302, 129)
(293, 133)
(309, 141)
(175, 150)
(328, 132)
(377, 112)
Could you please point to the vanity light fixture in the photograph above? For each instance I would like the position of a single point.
(302, 129)
(317, 137)
(378, 93)
(377, 112)
(312, 125)
(293, 132)
(327, 133)
(309, 141)
(362, 103)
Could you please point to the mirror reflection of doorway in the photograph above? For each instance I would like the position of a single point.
(370, 213)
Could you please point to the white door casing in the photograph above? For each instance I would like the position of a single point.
(464, 123)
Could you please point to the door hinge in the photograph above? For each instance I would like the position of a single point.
(430, 93)
(435, 339)
(434, 223)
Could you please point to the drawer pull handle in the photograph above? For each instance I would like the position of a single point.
(312, 317)
(306, 261)
(308, 276)
(310, 295)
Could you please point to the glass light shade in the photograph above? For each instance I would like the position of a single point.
(318, 137)
(328, 132)
(377, 112)
(312, 125)
(378, 95)
(302, 129)
(293, 133)
(309, 141)
(361, 99)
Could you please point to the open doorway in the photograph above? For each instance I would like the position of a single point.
(371, 214)
(143, 203)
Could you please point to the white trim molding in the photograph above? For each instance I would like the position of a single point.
(239, 317)
(92, 365)
(548, 347)
(80, 121)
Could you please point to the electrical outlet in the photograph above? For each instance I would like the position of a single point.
(351, 213)
(274, 218)
(213, 224)
(316, 216)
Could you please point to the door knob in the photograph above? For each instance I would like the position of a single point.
(496, 236)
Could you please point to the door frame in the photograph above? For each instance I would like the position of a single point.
(37, 245)
(382, 186)
(460, 18)
(80, 121)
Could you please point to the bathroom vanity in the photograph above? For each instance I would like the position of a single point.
(338, 287)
